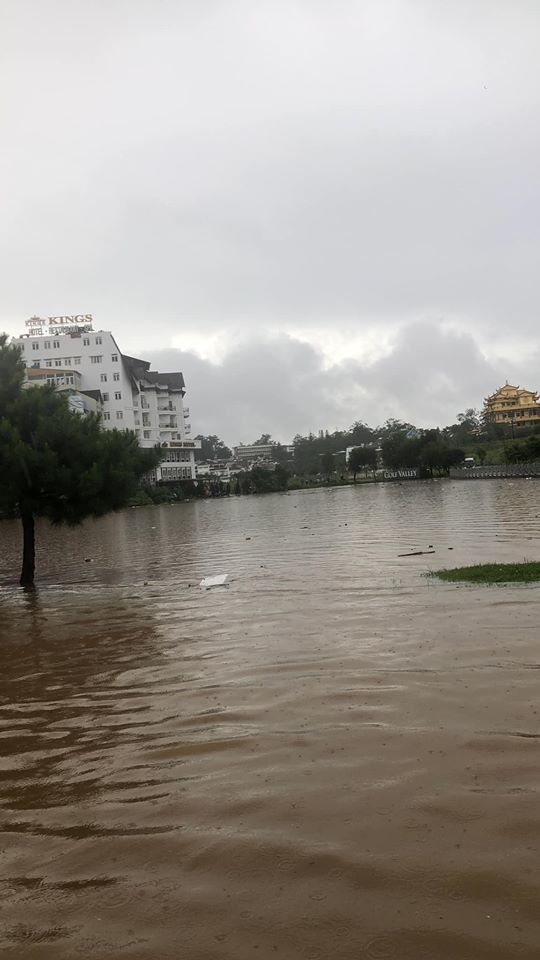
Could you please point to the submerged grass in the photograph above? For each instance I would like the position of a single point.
(527, 572)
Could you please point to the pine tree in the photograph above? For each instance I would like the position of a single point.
(55, 463)
(11, 374)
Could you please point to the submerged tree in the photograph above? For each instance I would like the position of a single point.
(54, 463)
(327, 465)
(362, 458)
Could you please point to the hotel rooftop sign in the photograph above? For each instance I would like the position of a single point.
(40, 326)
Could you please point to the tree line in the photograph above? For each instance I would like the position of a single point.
(400, 445)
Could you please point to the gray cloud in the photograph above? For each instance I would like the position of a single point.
(282, 386)
(256, 170)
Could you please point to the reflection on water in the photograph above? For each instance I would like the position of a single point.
(335, 757)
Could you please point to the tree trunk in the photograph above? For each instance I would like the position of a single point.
(29, 552)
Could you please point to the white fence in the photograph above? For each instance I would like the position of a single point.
(494, 471)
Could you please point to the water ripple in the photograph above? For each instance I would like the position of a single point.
(334, 757)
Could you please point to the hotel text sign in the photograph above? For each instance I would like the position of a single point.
(38, 325)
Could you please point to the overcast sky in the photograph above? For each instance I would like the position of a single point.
(321, 210)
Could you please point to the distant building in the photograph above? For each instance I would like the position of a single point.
(261, 451)
(70, 353)
(216, 470)
(255, 451)
(511, 404)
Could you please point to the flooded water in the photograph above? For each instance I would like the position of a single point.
(332, 757)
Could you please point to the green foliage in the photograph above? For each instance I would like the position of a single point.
(399, 452)
(494, 431)
(470, 419)
(402, 444)
(212, 448)
(327, 464)
(436, 456)
(280, 454)
(358, 433)
(392, 427)
(55, 463)
(429, 452)
(492, 573)
(141, 498)
(261, 480)
(308, 451)
(524, 451)
(362, 458)
(267, 481)
(12, 373)
(281, 477)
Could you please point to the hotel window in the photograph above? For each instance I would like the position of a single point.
(118, 395)
(67, 361)
(47, 344)
(77, 361)
(86, 342)
(103, 378)
(106, 416)
(56, 344)
(116, 376)
(105, 397)
(96, 359)
(58, 363)
(146, 434)
(119, 414)
(98, 341)
(114, 357)
(48, 363)
(35, 346)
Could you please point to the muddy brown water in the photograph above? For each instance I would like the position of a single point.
(333, 757)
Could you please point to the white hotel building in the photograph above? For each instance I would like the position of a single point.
(132, 397)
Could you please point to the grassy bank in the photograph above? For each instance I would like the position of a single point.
(492, 573)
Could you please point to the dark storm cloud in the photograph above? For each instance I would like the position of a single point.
(281, 386)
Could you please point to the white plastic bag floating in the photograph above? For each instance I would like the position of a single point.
(217, 581)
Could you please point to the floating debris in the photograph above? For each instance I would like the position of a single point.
(416, 553)
(217, 581)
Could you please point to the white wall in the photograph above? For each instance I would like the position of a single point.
(75, 352)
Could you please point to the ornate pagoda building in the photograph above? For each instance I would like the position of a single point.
(511, 404)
